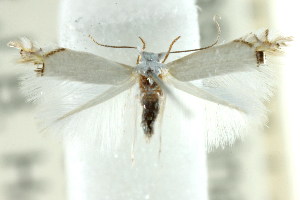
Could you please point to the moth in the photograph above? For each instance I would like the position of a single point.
(212, 65)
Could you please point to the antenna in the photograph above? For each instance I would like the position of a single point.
(217, 40)
(170, 47)
(112, 46)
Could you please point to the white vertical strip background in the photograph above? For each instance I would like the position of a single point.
(180, 171)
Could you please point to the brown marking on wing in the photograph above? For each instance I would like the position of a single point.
(54, 52)
(244, 42)
(261, 57)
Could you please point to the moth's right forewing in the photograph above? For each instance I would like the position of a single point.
(106, 95)
(98, 108)
(80, 88)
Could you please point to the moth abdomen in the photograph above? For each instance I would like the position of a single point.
(150, 101)
(150, 112)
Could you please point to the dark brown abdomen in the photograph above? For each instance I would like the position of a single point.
(150, 100)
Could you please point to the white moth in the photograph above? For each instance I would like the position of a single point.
(235, 76)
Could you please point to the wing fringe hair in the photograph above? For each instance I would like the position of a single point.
(233, 81)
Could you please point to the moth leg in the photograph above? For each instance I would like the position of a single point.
(134, 137)
(161, 114)
(132, 153)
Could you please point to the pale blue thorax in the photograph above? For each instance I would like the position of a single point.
(150, 64)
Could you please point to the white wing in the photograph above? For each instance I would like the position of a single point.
(72, 65)
(241, 55)
(75, 89)
(214, 61)
(70, 108)
(202, 93)
(106, 95)
(234, 75)
(85, 67)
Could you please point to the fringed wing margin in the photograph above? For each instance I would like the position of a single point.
(79, 95)
(235, 80)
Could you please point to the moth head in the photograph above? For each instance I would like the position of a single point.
(151, 57)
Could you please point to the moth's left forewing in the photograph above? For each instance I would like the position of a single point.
(216, 61)
(238, 74)
(240, 55)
